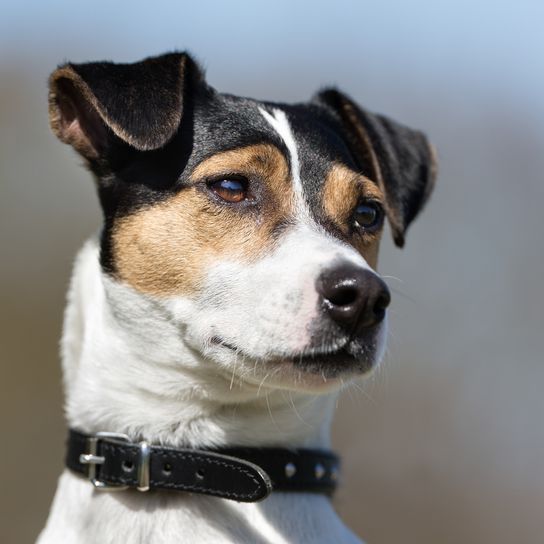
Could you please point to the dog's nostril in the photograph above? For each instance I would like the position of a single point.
(382, 302)
(343, 295)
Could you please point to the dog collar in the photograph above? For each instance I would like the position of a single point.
(111, 461)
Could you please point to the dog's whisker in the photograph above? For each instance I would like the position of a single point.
(262, 383)
(392, 278)
(300, 418)
(404, 295)
(267, 397)
(357, 386)
(233, 372)
(348, 390)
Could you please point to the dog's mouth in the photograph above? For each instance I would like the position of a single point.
(328, 362)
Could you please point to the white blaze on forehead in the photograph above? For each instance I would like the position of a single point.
(278, 121)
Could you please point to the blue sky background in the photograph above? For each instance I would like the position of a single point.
(485, 47)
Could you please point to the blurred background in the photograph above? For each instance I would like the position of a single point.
(445, 443)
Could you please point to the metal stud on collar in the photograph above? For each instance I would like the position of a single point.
(290, 470)
(319, 471)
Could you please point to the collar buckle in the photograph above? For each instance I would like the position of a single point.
(93, 460)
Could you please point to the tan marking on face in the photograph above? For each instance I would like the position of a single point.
(167, 248)
(342, 190)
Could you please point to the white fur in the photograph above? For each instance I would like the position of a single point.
(278, 121)
(149, 367)
(128, 369)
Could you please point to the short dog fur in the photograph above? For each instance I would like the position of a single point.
(232, 290)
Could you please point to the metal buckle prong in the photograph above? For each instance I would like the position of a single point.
(93, 460)
(143, 466)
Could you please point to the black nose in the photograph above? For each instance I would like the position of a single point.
(353, 296)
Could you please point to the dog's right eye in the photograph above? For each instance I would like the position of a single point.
(230, 189)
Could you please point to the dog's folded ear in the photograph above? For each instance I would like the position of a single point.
(141, 104)
(400, 160)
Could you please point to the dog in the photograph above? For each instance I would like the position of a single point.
(229, 296)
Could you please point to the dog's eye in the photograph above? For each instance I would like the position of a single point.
(368, 215)
(230, 190)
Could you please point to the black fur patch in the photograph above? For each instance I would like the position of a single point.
(400, 159)
(144, 127)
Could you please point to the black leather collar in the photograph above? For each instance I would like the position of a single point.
(111, 460)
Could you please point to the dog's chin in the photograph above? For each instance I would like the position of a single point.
(317, 370)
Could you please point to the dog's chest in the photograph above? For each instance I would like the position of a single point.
(166, 518)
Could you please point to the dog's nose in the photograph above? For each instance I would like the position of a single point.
(354, 297)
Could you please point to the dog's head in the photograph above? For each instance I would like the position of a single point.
(253, 227)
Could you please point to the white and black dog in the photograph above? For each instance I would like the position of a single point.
(231, 293)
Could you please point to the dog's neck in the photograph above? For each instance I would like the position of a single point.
(129, 369)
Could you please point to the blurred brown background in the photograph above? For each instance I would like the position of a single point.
(445, 443)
